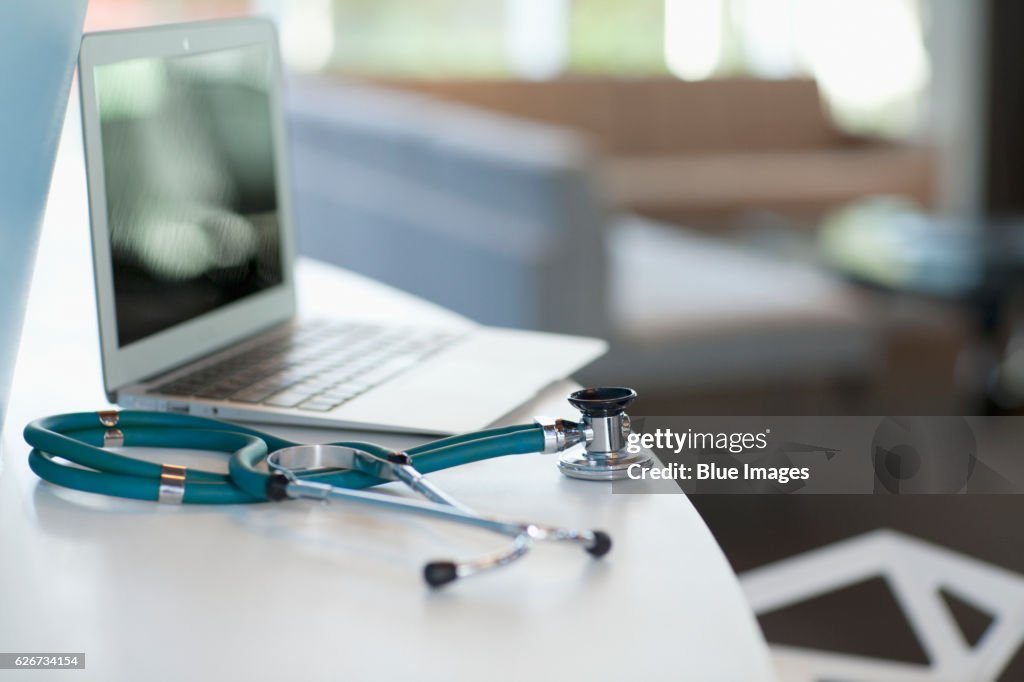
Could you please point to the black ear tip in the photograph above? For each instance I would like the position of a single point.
(602, 544)
(277, 487)
(438, 573)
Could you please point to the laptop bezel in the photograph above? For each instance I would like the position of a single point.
(217, 329)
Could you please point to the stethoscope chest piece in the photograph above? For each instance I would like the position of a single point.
(606, 428)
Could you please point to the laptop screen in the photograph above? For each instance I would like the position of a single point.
(189, 169)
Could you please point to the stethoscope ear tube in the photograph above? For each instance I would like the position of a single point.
(81, 438)
(87, 439)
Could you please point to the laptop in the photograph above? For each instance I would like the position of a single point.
(38, 44)
(193, 247)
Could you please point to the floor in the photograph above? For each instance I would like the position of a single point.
(865, 619)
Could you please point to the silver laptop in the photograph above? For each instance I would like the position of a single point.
(193, 249)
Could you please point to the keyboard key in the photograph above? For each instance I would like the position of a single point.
(255, 394)
(388, 369)
(216, 392)
(339, 394)
(287, 399)
(350, 387)
(319, 405)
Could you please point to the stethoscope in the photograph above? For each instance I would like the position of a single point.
(335, 471)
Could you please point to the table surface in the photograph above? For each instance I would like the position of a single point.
(308, 592)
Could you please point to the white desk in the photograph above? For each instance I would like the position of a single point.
(300, 591)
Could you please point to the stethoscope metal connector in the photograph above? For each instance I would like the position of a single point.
(604, 429)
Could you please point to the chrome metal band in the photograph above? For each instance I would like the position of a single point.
(172, 484)
(559, 434)
(113, 438)
(609, 433)
(108, 418)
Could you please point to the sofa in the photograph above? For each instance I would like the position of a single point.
(505, 220)
(706, 153)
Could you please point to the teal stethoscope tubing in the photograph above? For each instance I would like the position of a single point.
(79, 438)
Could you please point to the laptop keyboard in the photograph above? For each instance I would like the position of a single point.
(316, 367)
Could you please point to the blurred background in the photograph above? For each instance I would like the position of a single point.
(767, 207)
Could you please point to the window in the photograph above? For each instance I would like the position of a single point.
(868, 56)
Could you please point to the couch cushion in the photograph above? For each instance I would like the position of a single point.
(690, 310)
(652, 115)
(775, 180)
